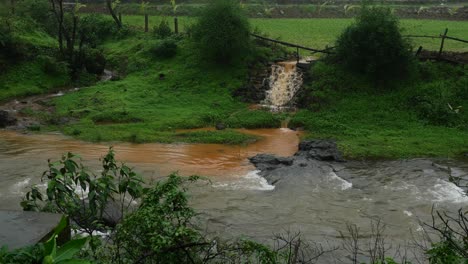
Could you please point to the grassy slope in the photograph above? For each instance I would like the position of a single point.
(28, 77)
(320, 32)
(370, 126)
(142, 107)
(382, 124)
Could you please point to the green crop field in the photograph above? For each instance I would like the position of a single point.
(320, 32)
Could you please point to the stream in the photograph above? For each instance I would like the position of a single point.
(239, 202)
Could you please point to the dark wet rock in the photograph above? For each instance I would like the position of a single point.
(270, 162)
(325, 150)
(316, 160)
(6, 119)
(220, 126)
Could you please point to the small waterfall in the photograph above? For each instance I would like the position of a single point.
(284, 82)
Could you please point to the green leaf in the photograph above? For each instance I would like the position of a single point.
(50, 247)
(67, 251)
(61, 226)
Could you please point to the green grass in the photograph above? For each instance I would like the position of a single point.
(25, 75)
(320, 32)
(382, 124)
(28, 78)
(145, 108)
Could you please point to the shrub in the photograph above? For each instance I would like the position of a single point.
(166, 48)
(162, 30)
(222, 32)
(373, 45)
(438, 103)
(95, 28)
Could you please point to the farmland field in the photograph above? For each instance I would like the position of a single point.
(320, 32)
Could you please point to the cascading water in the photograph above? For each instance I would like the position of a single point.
(284, 82)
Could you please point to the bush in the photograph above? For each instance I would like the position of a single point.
(96, 28)
(222, 32)
(166, 48)
(373, 46)
(162, 30)
(438, 103)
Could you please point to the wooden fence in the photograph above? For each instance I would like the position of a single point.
(329, 50)
(443, 37)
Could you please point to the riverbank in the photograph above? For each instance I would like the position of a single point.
(151, 98)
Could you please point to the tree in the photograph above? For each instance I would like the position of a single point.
(111, 6)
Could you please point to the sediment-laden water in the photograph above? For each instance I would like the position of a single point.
(317, 202)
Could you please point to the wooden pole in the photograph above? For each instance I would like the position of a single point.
(442, 42)
(120, 17)
(146, 22)
(176, 25)
(297, 54)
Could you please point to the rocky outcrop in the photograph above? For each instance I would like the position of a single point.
(325, 150)
(270, 162)
(6, 119)
(257, 85)
(315, 158)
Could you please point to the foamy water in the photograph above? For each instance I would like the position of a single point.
(251, 181)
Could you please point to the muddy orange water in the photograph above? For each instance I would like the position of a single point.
(222, 161)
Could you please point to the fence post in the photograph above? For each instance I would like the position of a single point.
(176, 25)
(120, 17)
(146, 22)
(297, 54)
(442, 42)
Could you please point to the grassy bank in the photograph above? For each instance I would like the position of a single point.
(410, 120)
(320, 32)
(155, 97)
(159, 96)
(28, 70)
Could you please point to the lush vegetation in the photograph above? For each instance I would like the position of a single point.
(406, 122)
(161, 85)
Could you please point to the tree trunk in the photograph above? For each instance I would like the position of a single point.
(12, 6)
(111, 11)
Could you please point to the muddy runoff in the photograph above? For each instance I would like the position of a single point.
(299, 193)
